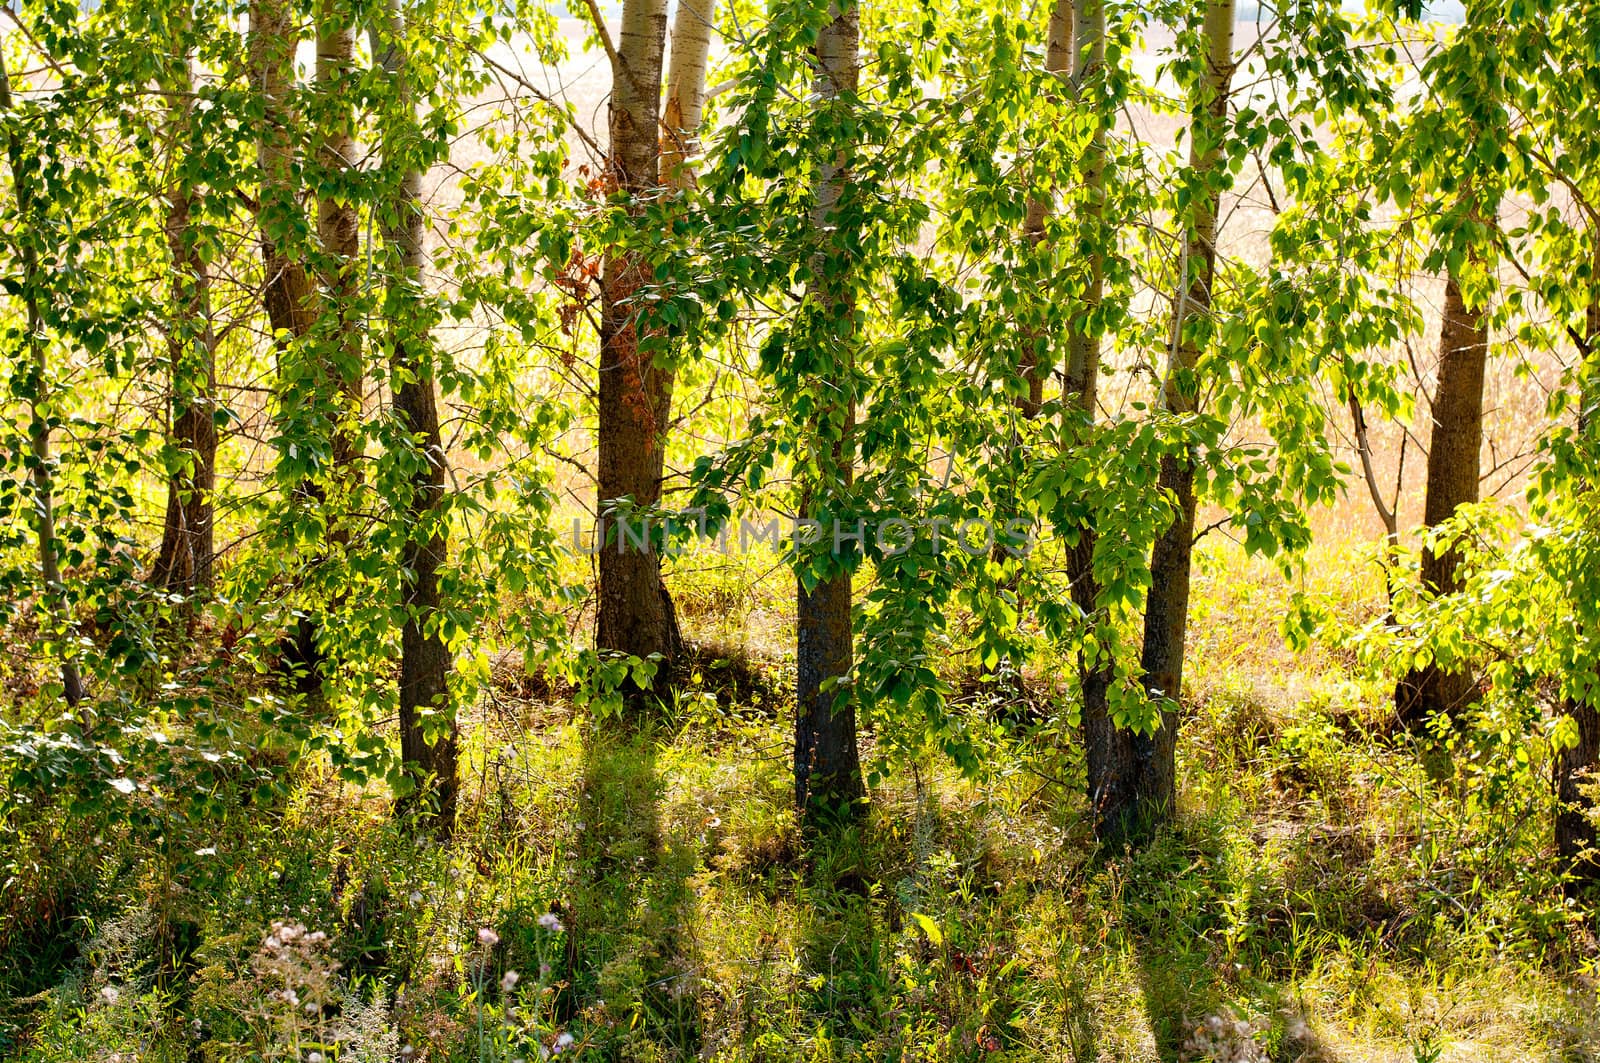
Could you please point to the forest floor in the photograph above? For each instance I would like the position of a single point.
(1319, 898)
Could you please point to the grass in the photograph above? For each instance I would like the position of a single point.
(1317, 890)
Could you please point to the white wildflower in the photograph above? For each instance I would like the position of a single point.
(509, 980)
(488, 938)
(551, 922)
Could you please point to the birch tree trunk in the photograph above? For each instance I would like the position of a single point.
(337, 228)
(428, 728)
(287, 294)
(41, 474)
(287, 291)
(635, 614)
(827, 764)
(1058, 61)
(686, 91)
(1167, 607)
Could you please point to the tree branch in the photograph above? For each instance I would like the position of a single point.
(599, 21)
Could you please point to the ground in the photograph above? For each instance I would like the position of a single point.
(1319, 897)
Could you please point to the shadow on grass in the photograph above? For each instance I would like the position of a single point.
(849, 979)
(1209, 933)
(632, 948)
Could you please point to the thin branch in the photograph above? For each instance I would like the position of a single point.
(1364, 449)
(544, 97)
(605, 38)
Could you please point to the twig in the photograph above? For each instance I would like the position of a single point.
(605, 39)
(1364, 449)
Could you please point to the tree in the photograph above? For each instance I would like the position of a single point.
(686, 90)
(1058, 61)
(1577, 764)
(1463, 126)
(827, 764)
(337, 227)
(1453, 474)
(428, 729)
(1108, 748)
(1154, 783)
(635, 615)
(37, 385)
(184, 561)
(287, 293)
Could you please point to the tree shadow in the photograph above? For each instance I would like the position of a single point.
(632, 956)
(848, 979)
(1206, 934)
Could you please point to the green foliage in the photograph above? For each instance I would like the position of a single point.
(209, 828)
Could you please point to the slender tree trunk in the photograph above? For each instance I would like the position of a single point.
(428, 729)
(1167, 608)
(1032, 369)
(42, 471)
(1058, 61)
(1453, 475)
(184, 561)
(1576, 767)
(337, 228)
(287, 291)
(635, 615)
(1575, 835)
(286, 288)
(1108, 749)
(827, 765)
(686, 91)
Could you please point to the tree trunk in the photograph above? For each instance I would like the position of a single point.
(827, 765)
(1108, 749)
(1574, 829)
(286, 288)
(184, 561)
(686, 91)
(287, 291)
(1058, 61)
(1453, 475)
(635, 615)
(1167, 608)
(428, 747)
(1575, 767)
(337, 228)
(41, 473)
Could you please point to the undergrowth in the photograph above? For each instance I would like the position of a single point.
(645, 894)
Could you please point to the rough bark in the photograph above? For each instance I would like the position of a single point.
(1575, 768)
(428, 746)
(1154, 789)
(635, 614)
(1108, 749)
(337, 227)
(41, 474)
(827, 765)
(1575, 834)
(286, 290)
(1453, 476)
(184, 560)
